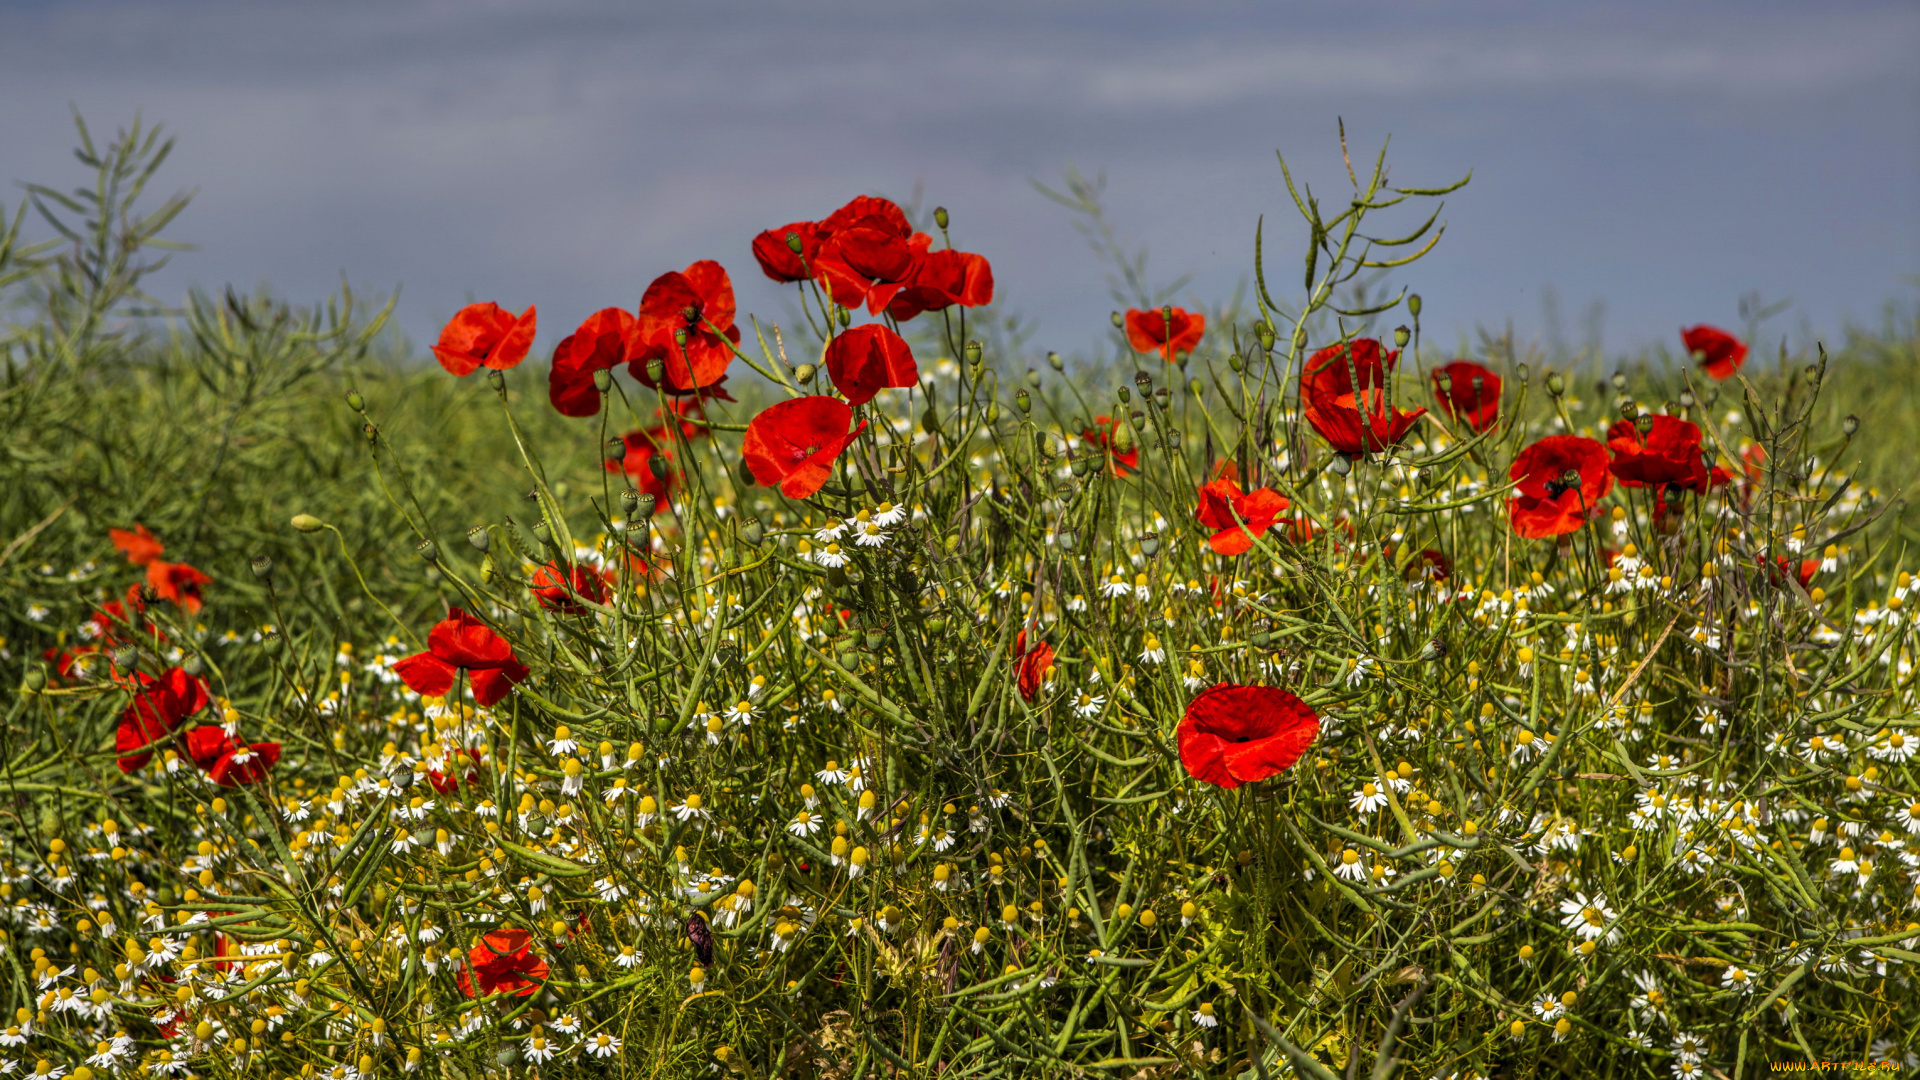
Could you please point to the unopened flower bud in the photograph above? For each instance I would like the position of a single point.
(1263, 332)
(1123, 441)
(1413, 305)
(603, 379)
(1023, 402)
(1054, 362)
(126, 657)
(1340, 465)
(356, 402)
(1235, 364)
(497, 379)
(1123, 394)
(1620, 381)
(1401, 335)
(993, 412)
(307, 523)
(743, 474)
(656, 370)
(940, 216)
(973, 354)
(657, 465)
(1555, 384)
(1118, 320)
(1193, 387)
(1033, 378)
(1523, 373)
(680, 337)
(844, 315)
(480, 538)
(804, 374)
(262, 566)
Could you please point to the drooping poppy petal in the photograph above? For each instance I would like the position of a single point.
(1030, 669)
(485, 335)
(775, 254)
(1667, 455)
(1168, 331)
(463, 642)
(425, 674)
(602, 342)
(1468, 392)
(793, 444)
(141, 546)
(1338, 370)
(159, 706)
(245, 764)
(1235, 734)
(699, 302)
(1340, 421)
(564, 588)
(1717, 351)
(1562, 479)
(941, 279)
(206, 744)
(1221, 500)
(868, 359)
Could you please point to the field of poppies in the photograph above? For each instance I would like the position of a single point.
(858, 693)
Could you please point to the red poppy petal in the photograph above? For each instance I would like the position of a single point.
(426, 674)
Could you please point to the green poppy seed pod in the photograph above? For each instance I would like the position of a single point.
(616, 450)
(1686, 399)
(497, 379)
(974, 352)
(1033, 378)
(993, 412)
(804, 374)
(1194, 387)
(1263, 331)
(270, 642)
(753, 532)
(126, 658)
(1555, 384)
(662, 724)
(34, 681)
(1570, 479)
(1523, 373)
(541, 533)
(1709, 458)
(1850, 425)
(372, 433)
(603, 380)
(1341, 465)
(356, 402)
(1813, 373)
(1173, 440)
(937, 624)
(680, 337)
(1644, 423)
(429, 551)
(262, 566)
(307, 523)
(795, 244)
(874, 639)
(1620, 380)
(940, 216)
(1078, 466)
(743, 475)
(656, 370)
(644, 507)
(194, 664)
(1144, 381)
(657, 465)
(1023, 402)
(1446, 383)
(845, 316)
(1124, 395)
(1123, 437)
(849, 659)
(1260, 639)
(1150, 544)
(1401, 335)
(629, 499)
(1235, 364)
(1118, 320)
(1054, 362)
(1413, 305)
(1671, 408)
(480, 538)
(1626, 406)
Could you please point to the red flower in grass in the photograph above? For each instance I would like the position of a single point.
(637, 463)
(698, 300)
(177, 582)
(485, 335)
(117, 620)
(1428, 565)
(448, 782)
(1030, 665)
(602, 341)
(1776, 574)
(563, 588)
(141, 546)
(1233, 735)
(941, 279)
(1331, 372)
(1221, 501)
(868, 253)
(503, 963)
(1717, 351)
(1562, 480)
(1471, 393)
(1340, 421)
(776, 256)
(794, 443)
(158, 708)
(1168, 331)
(868, 359)
(1667, 457)
(1100, 436)
(230, 763)
(458, 643)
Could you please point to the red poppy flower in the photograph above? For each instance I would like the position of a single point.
(1428, 565)
(1168, 331)
(177, 582)
(1233, 735)
(794, 443)
(1100, 435)
(1667, 456)
(777, 258)
(1472, 393)
(637, 463)
(563, 589)
(941, 279)
(1030, 665)
(1776, 574)
(141, 546)
(868, 253)
(227, 762)
(1562, 480)
(503, 963)
(457, 643)
(158, 708)
(205, 745)
(868, 359)
(1331, 372)
(485, 335)
(1221, 501)
(700, 302)
(1339, 421)
(1719, 352)
(604, 340)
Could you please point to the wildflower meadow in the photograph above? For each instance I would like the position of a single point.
(858, 690)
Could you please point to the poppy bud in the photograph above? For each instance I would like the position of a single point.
(656, 370)
(356, 402)
(1620, 380)
(1124, 395)
(497, 379)
(1401, 335)
(488, 571)
(643, 508)
(743, 475)
(1193, 387)
(603, 380)
(307, 523)
(940, 216)
(1149, 544)
(372, 433)
(1123, 437)
(1118, 321)
(929, 423)
(1413, 305)
(1263, 331)
(993, 413)
(1173, 440)
(262, 567)
(1033, 378)
(541, 533)
(1235, 364)
(126, 658)
(479, 538)
(657, 465)
(804, 374)
(429, 551)
(34, 681)
(1850, 425)
(973, 354)
(753, 532)
(1555, 384)
(937, 624)
(1446, 383)
(845, 316)
(1054, 362)
(1024, 403)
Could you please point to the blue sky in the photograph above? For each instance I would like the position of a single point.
(1661, 158)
